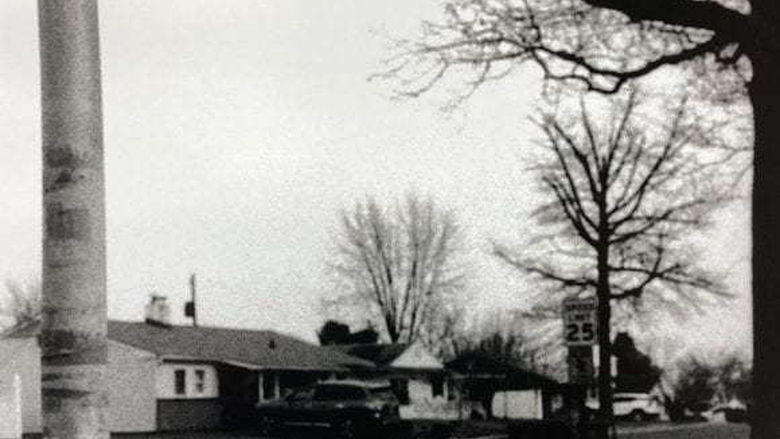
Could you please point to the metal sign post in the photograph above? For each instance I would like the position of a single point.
(580, 365)
(580, 334)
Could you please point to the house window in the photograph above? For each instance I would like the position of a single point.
(180, 381)
(200, 380)
(437, 386)
(269, 386)
(401, 390)
(451, 390)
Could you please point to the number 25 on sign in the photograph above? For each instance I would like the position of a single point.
(579, 321)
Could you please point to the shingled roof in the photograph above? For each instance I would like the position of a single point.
(476, 365)
(259, 349)
(381, 355)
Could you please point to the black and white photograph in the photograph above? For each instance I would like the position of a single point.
(408, 219)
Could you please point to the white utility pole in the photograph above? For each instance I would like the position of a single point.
(73, 339)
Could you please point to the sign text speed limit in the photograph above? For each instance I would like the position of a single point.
(579, 321)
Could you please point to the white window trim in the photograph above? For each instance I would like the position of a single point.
(165, 381)
(261, 378)
(199, 381)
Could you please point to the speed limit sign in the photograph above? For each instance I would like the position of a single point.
(579, 321)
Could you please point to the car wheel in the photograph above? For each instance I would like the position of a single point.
(268, 426)
(638, 416)
(346, 429)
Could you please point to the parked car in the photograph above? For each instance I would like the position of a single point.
(348, 408)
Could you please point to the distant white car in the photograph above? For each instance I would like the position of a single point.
(636, 406)
(633, 406)
(733, 411)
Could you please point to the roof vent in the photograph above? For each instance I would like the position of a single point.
(272, 344)
(158, 312)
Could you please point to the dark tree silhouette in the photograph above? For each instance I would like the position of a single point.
(635, 370)
(693, 390)
(501, 347)
(701, 383)
(735, 377)
(333, 332)
(398, 267)
(364, 336)
(623, 193)
(337, 333)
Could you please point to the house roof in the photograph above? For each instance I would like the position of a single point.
(486, 366)
(381, 355)
(260, 349)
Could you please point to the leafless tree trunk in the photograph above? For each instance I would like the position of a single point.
(73, 339)
(399, 266)
(625, 195)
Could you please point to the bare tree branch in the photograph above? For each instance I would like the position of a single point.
(397, 265)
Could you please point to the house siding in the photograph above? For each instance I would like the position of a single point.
(420, 368)
(22, 357)
(518, 404)
(130, 371)
(422, 403)
(132, 402)
(188, 414)
(165, 381)
(421, 390)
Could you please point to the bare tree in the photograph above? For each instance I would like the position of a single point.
(623, 194)
(601, 45)
(399, 266)
(73, 337)
(24, 302)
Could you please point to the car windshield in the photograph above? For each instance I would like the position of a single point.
(385, 393)
(338, 392)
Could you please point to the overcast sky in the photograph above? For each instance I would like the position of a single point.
(235, 131)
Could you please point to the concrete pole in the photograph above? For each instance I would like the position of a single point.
(73, 339)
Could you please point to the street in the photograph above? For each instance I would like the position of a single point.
(650, 431)
(686, 431)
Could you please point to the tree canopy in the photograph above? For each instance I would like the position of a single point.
(337, 333)
(632, 186)
(599, 45)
